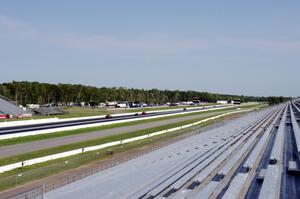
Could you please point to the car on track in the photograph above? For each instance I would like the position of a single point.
(108, 116)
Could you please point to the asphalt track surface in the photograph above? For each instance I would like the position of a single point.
(12, 150)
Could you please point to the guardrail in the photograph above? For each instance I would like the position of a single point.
(102, 146)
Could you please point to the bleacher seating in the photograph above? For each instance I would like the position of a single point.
(10, 108)
(49, 111)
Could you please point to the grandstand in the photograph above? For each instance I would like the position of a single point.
(48, 111)
(8, 107)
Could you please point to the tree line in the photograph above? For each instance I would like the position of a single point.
(24, 92)
(276, 100)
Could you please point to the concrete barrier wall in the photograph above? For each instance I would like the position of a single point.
(157, 133)
(135, 139)
(52, 157)
(11, 167)
(102, 146)
(28, 122)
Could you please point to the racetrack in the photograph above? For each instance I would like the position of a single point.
(12, 150)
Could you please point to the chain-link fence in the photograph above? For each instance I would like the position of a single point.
(36, 193)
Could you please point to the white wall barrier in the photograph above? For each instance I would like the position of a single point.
(157, 133)
(28, 122)
(53, 130)
(186, 126)
(135, 139)
(11, 167)
(174, 129)
(102, 146)
(52, 157)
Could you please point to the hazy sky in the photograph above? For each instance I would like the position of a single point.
(234, 47)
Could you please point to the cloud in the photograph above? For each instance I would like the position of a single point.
(150, 44)
(264, 45)
(13, 26)
(156, 44)
(147, 45)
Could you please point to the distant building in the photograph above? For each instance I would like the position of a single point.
(32, 106)
(236, 101)
(196, 100)
(121, 105)
(222, 102)
(187, 103)
(101, 105)
(83, 104)
(111, 104)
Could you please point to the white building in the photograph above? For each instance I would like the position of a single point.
(222, 102)
(32, 106)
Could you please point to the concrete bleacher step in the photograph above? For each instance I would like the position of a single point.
(293, 168)
(8, 107)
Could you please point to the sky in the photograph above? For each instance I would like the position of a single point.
(230, 47)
